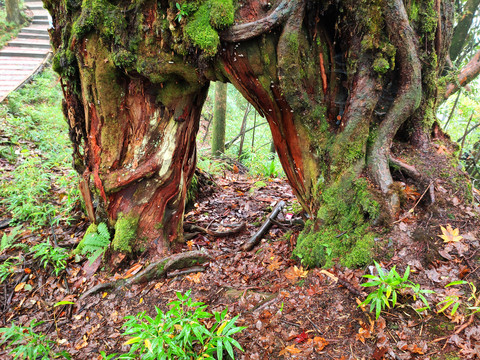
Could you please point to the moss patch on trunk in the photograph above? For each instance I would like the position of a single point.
(342, 229)
(125, 233)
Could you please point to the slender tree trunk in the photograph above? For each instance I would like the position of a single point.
(219, 119)
(13, 11)
(243, 131)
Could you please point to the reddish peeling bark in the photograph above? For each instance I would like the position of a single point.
(144, 172)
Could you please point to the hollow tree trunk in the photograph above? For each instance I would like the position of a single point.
(337, 83)
(336, 80)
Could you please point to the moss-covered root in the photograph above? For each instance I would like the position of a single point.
(343, 227)
(158, 269)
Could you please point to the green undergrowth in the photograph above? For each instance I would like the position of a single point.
(41, 188)
(344, 231)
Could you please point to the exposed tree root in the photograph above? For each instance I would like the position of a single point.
(409, 169)
(158, 269)
(407, 99)
(198, 229)
(252, 29)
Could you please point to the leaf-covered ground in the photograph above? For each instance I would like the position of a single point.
(290, 312)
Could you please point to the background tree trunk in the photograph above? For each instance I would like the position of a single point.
(219, 119)
(13, 11)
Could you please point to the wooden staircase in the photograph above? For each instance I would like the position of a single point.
(23, 56)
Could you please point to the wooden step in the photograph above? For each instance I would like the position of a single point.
(40, 17)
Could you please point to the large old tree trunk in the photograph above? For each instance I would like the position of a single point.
(336, 80)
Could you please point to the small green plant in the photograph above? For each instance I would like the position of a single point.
(25, 343)
(180, 333)
(182, 11)
(49, 255)
(454, 301)
(7, 268)
(389, 286)
(8, 240)
(95, 242)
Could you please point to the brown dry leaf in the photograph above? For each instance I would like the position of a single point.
(442, 150)
(365, 332)
(83, 344)
(274, 265)
(133, 270)
(415, 349)
(19, 287)
(450, 234)
(411, 193)
(195, 278)
(293, 273)
(290, 349)
(319, 343)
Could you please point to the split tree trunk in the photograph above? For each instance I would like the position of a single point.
(337, 81)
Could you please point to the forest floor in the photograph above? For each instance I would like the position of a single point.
(289, 312)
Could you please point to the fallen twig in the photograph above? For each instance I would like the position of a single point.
(158, 269)
(255, 239)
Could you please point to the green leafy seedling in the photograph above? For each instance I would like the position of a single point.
(389, 285)
(180, 333)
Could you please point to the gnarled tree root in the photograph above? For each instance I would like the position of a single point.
(192, 228)
(158, 269)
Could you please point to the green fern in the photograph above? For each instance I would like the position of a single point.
(95, 242)
(7, 241)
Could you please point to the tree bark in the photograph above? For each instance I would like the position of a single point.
(13, 11)
(460, 33)
(219, 119)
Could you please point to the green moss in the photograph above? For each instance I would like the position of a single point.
(344, 217)
(413, 11)
(380, 65)
(192, 190)
(211, 16)
(125, 231)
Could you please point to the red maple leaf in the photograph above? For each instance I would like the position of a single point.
(301, 337)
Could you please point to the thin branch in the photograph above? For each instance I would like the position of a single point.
(467, 74)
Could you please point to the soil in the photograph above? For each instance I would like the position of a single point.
(290, 312)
